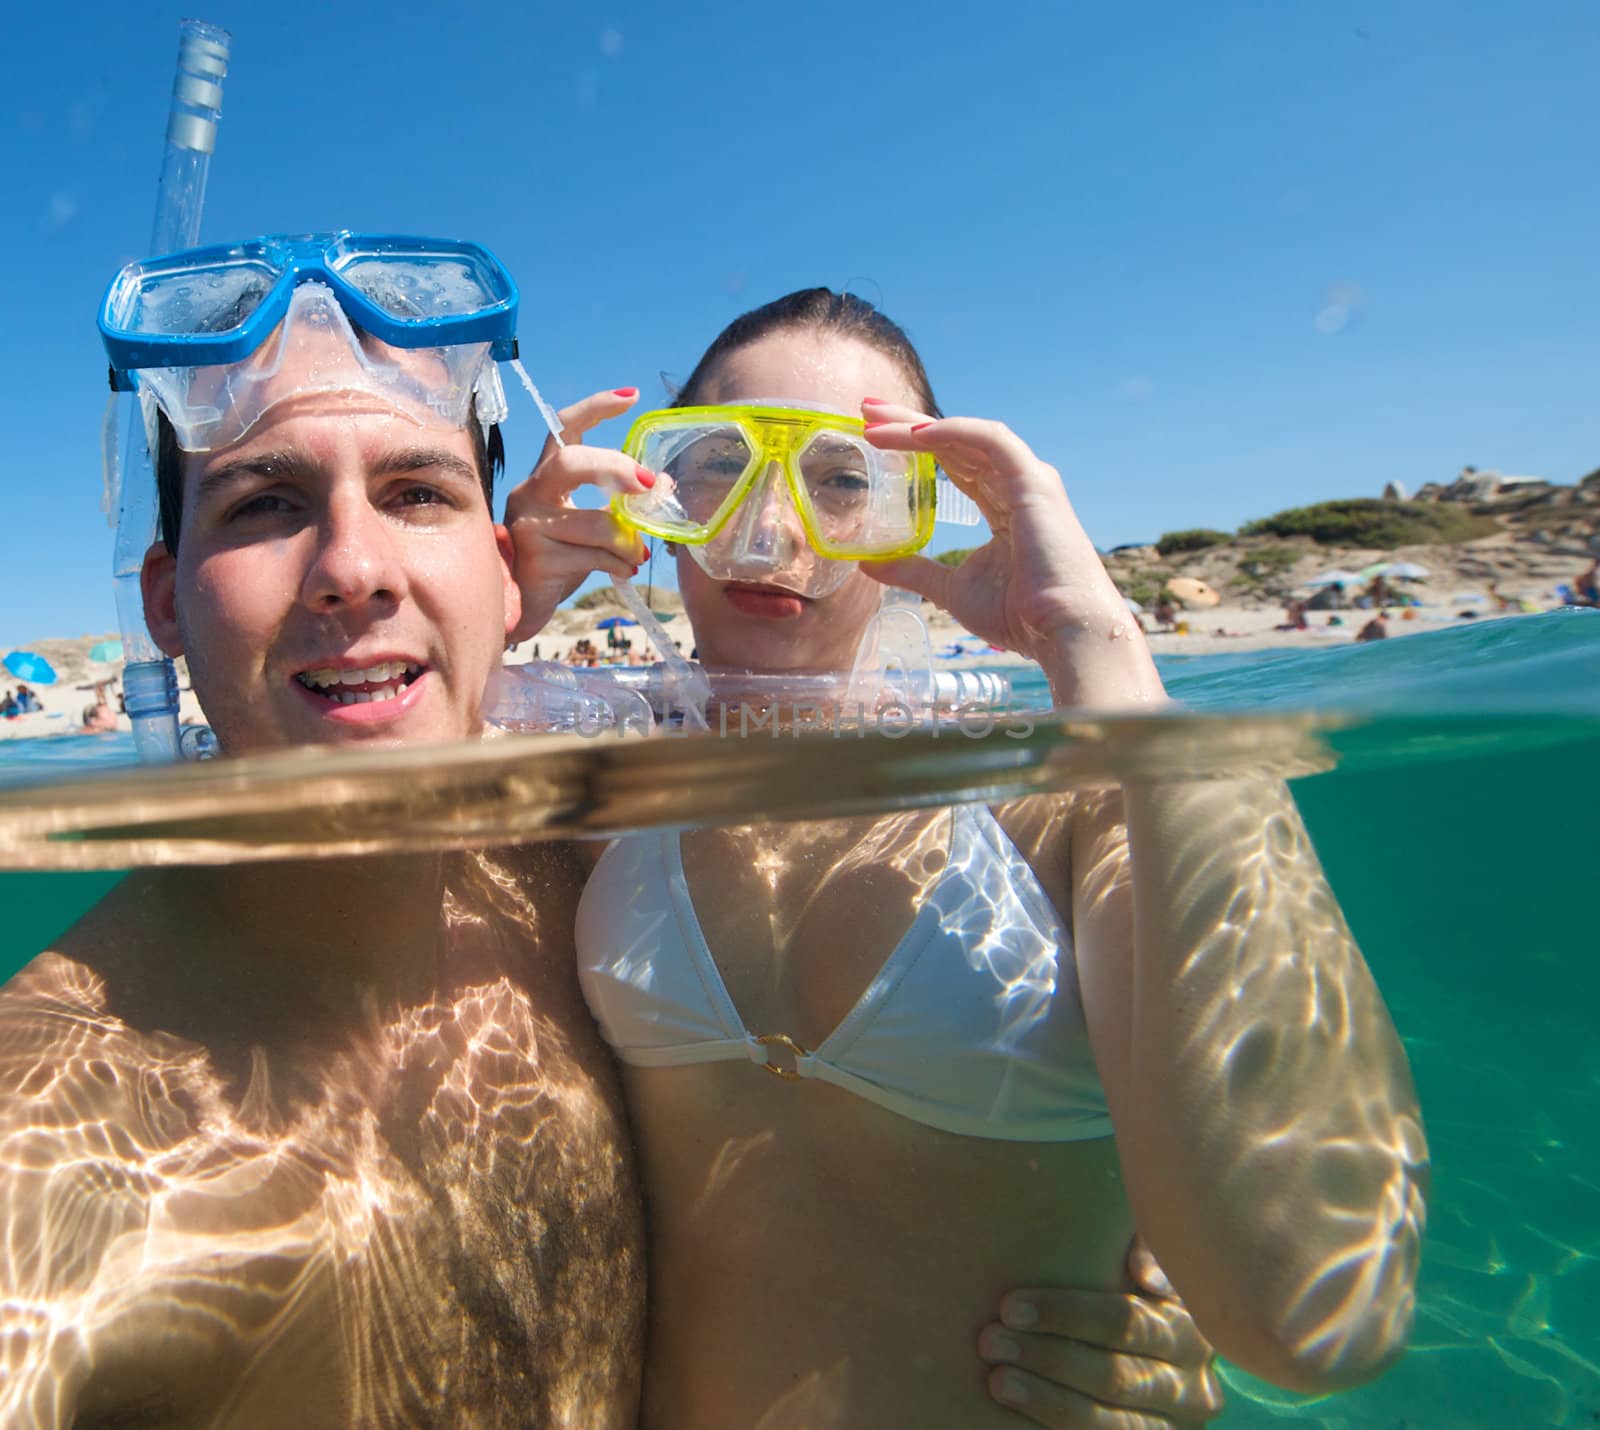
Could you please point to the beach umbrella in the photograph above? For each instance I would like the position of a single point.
(1378, 568)
(25, 665)
(612, 622)
(1335, 578)
(1192, 592)
(1408, 571)
(106, 652)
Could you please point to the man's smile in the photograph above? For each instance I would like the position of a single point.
(381, 680)
(377, 691)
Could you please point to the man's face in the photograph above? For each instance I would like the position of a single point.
(339, 580)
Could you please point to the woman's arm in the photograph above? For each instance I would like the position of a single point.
(1266, 1120)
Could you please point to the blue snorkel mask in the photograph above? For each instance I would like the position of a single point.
(202, 335)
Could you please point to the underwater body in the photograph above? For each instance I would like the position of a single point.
(1451, 813)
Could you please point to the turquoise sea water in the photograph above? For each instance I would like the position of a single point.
(1458, 829)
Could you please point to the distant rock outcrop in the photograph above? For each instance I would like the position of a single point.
(1475, 486)
(1525, 533)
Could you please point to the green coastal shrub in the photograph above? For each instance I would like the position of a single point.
(1366, 521)
(1259, 566)
(955, 558)
(1142, 588)
(1197, 538)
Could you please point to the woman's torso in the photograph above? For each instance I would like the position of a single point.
(819, 1257)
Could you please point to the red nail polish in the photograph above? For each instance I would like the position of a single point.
(647, 478)
(870, 425)
(873, 402)
(921, 425)
(625, 392)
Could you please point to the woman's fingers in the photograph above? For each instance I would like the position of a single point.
(574, 422)
(589, 412)
(1114, 1379)
(974, 439)
(585, 532)
(1146, 1271)
(1161, 1329)
(554, 548)
(564, 471)
(986, 460)
(927, 578)
(561, 567)
(875, 410)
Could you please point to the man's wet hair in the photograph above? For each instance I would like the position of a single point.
(488, 456)
(820, 310)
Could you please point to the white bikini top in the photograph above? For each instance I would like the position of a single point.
(973, 1025)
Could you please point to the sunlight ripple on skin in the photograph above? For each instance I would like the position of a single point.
(1270, 953)
(382, 1235)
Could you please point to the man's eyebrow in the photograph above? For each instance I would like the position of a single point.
(423, 459)
(292, 465)
(261, 464)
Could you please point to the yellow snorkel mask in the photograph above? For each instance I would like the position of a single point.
(776, 494)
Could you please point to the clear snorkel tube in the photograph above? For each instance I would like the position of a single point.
(893, 686)
(149, 681)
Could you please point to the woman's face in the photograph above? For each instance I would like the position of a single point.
(745, 626)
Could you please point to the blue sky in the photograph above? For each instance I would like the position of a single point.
(1210, 259)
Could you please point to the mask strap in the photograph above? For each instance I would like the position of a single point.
(546, 411)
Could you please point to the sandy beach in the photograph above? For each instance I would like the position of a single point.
(1230, 626)
(1199, 632)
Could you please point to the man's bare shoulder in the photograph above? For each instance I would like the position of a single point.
(58, 1033)
(88, 1107)
(53, 984)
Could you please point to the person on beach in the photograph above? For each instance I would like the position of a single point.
(871, 1061)
(321, 1143)
(99, 718)
(1377, 629)
(1586, 586)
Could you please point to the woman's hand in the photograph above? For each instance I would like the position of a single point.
(1037, 586)
(1099, 1360)
(557, 544)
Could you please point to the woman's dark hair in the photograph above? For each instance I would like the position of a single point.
(488, 456)
(821, 310)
